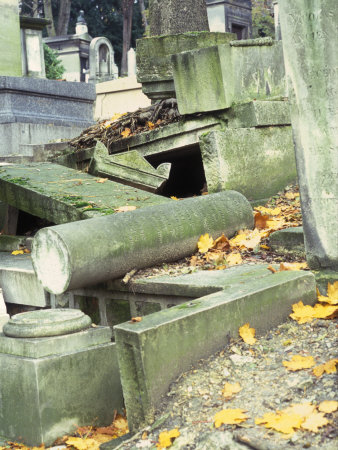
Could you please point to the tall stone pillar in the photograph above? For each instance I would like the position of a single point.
(10, 45)
(310, 36)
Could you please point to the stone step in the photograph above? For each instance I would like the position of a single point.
(60, 194)
(155, 351)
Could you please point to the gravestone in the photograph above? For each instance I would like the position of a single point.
(10, 59)
(309, 36)
(102, 66)
(175, 16)
(131, 56)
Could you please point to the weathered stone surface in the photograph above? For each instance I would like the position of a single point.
(217, 77)
(259, 113)
(60, 194)
(153, 57)
(46, 322)
(19, 283)
(290, 240)
(4, 317)
(45, 397)
(10, 243)
(136, 239)
(175, 16)
(132, 169)
(309, 36)
(153, 352)
(10, 44)
(258, 162)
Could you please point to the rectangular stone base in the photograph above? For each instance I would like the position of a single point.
(45, 397)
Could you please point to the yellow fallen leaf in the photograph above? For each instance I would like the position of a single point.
(126, 132)
(173, 197)
(299, 362)
(293, 266)
(280, 421)
(260, 220)
(332, 294)
(150, 125)
(264, 247)
(221, 243)
(230, 389)
(291, 195)
(306, 313)
(247, 334)
(328, 406)
(136, 319)
(246, 239)
(315, 421)
(101, 180)
(165, 439)
(302, 409)
(204, 243)
(328, 367)
(268, 211)
(18, 252)
(230, 417)
(82, 444)
(233, 259)
(125, 208)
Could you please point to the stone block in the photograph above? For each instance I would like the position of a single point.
(60, 194)
(258, 162)
(35, 111)
(153, 352)
(153, 58)
(10, 243)
(51, 385)
(10, 39)
(289, 240)
(217, 77)
(259, 114)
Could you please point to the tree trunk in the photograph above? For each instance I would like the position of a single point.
(47, 5)
(127, 8)
(63, 17)
(143, 14)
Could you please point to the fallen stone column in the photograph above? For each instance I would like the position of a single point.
(84, 253)
(309, 36)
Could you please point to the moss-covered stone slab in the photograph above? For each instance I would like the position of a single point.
(132, 169)
(60, 194)
(215, 78)
(258, 162)
(259, 113)
(153, 352)
(153, 58)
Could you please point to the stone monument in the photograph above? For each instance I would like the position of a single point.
(10, 61)
(309, 36)
(102, 66)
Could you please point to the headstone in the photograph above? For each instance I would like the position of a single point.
(33, 60)
(131, 62)
(309, 36)
(10, 45)
(174, 16)
(50, 382)
(135, 239)
(102, 66)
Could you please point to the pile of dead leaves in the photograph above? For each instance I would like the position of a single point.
(281, 212)
(128, 124)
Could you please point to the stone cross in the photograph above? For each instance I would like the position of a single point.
(177, 16)
(309, 36)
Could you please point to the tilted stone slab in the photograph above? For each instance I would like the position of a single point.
(258, 162)
(289, 240)
(154, 352)
(132, 169)
(60, 194)
(217, 77)
(103, 248)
